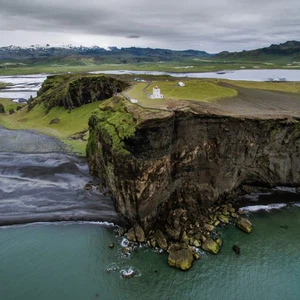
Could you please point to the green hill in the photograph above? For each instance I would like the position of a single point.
(286, 52)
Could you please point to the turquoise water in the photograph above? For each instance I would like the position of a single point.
(69, 262)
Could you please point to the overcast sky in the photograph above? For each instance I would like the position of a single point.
(211, 25)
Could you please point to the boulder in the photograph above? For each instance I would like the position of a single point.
(225, 211)
(194, 242)
(219, 241)
(126, 250)
(203, 238)
(236, 249)
(216, 223)
(223, 219)
(161, 239)
(208, 227)
(211, 246)
(180, 257)
(131, 235)
(232, 209)
(153, 243)
(244, 224)
(54, 121)
(139, 233)
(173, 233)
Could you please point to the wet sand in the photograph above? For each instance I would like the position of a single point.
(40, 182)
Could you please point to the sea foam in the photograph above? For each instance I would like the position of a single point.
(269, 207)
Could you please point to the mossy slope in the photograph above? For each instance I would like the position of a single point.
(114, 123)
(71, 91)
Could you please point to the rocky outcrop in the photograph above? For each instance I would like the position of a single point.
(180, 257)
(211, 246)
(173, 165)
(73, 90)
(244, 224)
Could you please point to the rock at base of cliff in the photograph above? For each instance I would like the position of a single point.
(211, 246)
(161, 239)
(131, 235)
(223, 219)
(180, 257)
(244, 224)
(139, 233)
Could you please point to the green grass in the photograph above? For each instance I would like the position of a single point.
(70, 123)
(8, 104)
(195, 89)
(115, 124)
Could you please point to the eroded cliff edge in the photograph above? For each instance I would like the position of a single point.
(155, 162)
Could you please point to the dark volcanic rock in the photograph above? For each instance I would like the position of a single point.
(236, 249)
(186, 159)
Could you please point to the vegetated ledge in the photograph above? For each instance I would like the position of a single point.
(171, 168)
(74, 90)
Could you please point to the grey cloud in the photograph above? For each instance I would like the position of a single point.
(133, 36)
(213, 25)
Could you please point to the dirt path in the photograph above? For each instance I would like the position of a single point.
(253, 103)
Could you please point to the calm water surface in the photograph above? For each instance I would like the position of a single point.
(70, 261)
(24, 86)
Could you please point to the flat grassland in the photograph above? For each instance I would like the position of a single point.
(195, 89)
(72, 127)
(224, 97)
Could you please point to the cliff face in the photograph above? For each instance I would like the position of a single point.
(182, 159)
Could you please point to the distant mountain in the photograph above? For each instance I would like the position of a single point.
(287, 51)
(36, 54)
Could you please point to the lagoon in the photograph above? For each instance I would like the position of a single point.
(24, 86)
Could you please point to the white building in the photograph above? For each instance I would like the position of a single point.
(133, 100)
(156, 93)
(181, 83)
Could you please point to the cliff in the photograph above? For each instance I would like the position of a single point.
(156, 162)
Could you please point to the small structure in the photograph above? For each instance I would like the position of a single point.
(181, 83)
(156, 93)
(133, 101)
(20, 100)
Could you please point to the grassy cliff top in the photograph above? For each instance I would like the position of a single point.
(120, 119)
